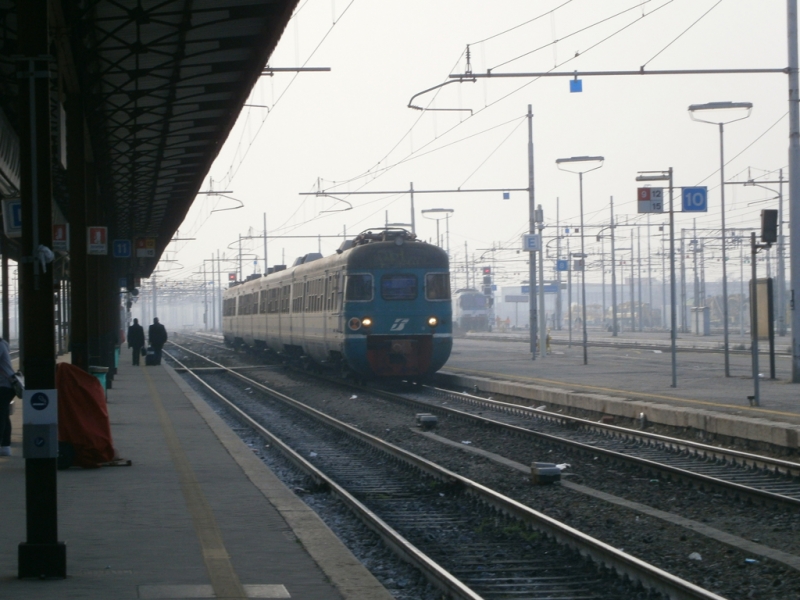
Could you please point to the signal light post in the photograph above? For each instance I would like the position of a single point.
(487, 292)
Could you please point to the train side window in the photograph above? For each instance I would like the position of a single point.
(437, 286)
(262, 303)
(359, 287)
(399, 287)
(297, 297)
(285, 298)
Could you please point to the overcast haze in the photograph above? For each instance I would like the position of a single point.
(350, 129)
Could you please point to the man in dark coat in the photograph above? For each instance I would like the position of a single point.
(157, 336)
(136, 340)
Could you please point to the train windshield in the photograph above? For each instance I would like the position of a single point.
(399, 287)
(359, 287)
(472, 302)
(437, 286)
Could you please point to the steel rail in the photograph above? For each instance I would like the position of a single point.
(775, 465)
(437, 575)
(695, 449)
(601, 553)
(699, 478)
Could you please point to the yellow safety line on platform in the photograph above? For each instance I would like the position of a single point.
(223, 578)
(523, 378)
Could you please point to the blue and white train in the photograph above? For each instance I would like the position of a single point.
(380, 308)
(471, 311)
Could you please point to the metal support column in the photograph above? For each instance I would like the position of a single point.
(76, 185)
(41, 555)
(93, 320)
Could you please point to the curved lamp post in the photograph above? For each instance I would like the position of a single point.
(581, 165)
(714, 108)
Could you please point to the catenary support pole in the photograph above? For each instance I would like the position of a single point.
(542, 320)
(724, 255)
(583, 277)
(559, 307)
(615, 323)
(533, 317)
(672, 290)
(794, 185)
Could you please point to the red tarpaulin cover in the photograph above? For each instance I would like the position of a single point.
(83, 416)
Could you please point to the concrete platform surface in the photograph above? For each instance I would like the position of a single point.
(628, 381)
(197, 515)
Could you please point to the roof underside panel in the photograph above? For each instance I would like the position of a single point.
(163, 82)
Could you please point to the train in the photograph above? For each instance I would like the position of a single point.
(380, 308)
(471, 311)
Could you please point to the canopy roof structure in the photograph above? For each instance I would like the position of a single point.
(161, 83)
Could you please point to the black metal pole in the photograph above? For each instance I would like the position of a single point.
(754, 318)
(42, 555)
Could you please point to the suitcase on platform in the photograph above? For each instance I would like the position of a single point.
(150, 359)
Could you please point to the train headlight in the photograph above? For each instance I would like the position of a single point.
(433, 321)
(354, 323)
(366, 322)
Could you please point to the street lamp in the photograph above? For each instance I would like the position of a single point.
(714, 108)
(581, 165)
(446, 212)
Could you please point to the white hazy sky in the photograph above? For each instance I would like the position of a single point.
(350, 129)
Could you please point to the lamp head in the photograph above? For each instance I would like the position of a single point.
(580, 164)
(694, 109)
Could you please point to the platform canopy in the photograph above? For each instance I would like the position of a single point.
(162, 82)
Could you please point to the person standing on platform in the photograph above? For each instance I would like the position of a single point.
(136, 340)
(157, 336)
(6, 396)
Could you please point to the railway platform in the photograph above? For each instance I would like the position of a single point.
(630, 377)
(197, 515)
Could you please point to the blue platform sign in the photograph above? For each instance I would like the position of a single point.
(122, 248)
(695, 199)
(562, 265)
(12, 217)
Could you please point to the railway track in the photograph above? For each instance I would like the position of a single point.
(744, 475)
(471, 541)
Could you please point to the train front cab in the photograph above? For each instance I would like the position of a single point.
(397, 324)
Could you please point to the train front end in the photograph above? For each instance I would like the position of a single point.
(397, 308)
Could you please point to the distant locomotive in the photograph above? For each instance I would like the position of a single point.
(380, 307)
(471, 311)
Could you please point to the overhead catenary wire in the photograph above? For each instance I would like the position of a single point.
(700, 18)
(584, 29)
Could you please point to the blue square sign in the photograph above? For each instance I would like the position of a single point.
(562, 265)
(695, 199)
(122, 248)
